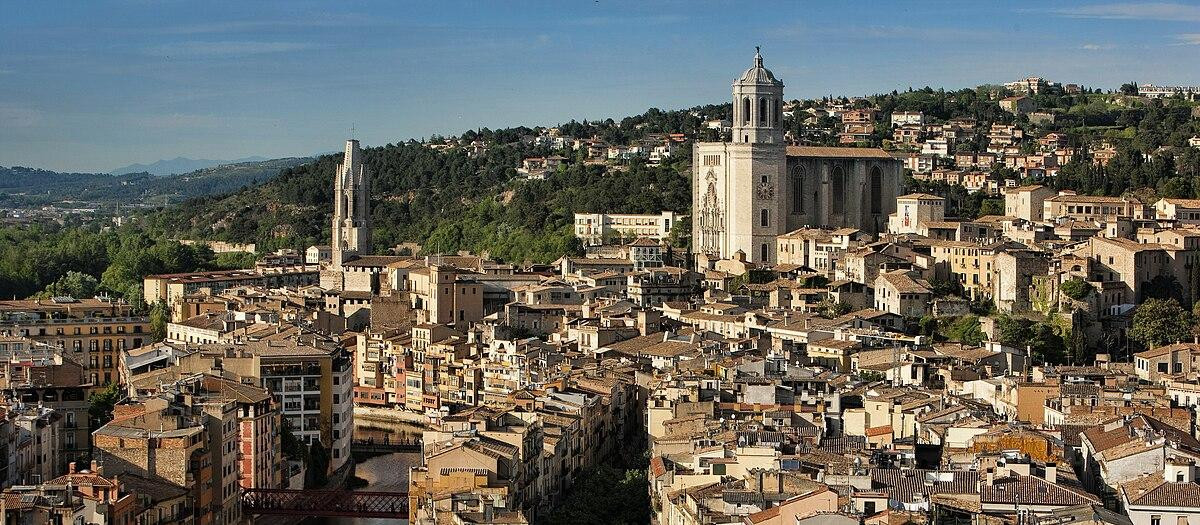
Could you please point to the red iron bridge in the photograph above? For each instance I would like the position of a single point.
(293, 502)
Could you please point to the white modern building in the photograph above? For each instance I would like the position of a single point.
(595, 229)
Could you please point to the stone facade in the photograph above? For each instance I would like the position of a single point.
(747, 192)
(351, 206)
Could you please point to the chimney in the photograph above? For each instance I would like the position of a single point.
(760, 482)
(990, 477)
(1051, 472)
(487, 511)
(71, 468)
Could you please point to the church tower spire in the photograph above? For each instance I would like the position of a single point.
(758, 105)
(351, 206)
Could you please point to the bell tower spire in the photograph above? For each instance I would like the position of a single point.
(758, 105)
(351, 206)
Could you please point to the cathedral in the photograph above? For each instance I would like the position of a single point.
(756, 187)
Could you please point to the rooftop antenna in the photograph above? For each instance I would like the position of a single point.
(351, 131)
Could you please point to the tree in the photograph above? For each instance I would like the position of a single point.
(991, 207)
(966, 330)
(1129, 88)
(928, 325)
(605, 495)
(1076, 288)
(1044, 341)
(681, 235)
(289, 444)
(74, 284)
(944, 287)
(833, 309)
(1160, 321)
(318, 465)
(101, 403)
(160, 315)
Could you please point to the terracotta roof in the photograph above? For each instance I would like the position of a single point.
(762, 516)
(903, 485)
(1153, 491)
(903, 283)
(1032, 490)
(1186, 203)
(1191, 348)
(923, 196)
(657, 466)
(824, 151)
(1089, 198)
(879, 431)
(379, 261)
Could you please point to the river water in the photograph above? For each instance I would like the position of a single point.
(386, 473)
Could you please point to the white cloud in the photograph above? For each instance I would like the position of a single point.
(885, 32)
(238, 26)
(226, 48)
(1098, 47)
(18, 117)
(1188, 39)
(178, 120)
(1134, 11)
(194, 121)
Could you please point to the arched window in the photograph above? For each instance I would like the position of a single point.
(797, 189)
(764, 218)
(837, 180)
(762, 111)
(778, 111)
(876, 190)
(746, 110)
(763, 251)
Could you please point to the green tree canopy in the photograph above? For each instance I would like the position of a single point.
(1157, 322)
(966, 330)
(1076, 288)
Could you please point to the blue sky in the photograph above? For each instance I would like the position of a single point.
(91, 86)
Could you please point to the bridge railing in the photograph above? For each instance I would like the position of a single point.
(296, 502)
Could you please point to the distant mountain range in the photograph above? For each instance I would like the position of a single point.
(179, 165)
(22, 187)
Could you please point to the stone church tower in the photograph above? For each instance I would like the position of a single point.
(734, 184)
(747, 192)
(351, 206)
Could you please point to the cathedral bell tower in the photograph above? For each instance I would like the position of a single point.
(758, 106)
(351, 206)
(736, 198)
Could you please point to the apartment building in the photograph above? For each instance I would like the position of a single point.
(91, 331)
(170, 445)
(819, 249)
(1027, 202)
(170, 288)
(595, 229)
(915, 208)
(310, 378)
(1181, 211)
(445, 295)
(35, 375)
(1068, 206)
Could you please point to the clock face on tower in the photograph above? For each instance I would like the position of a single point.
(766, 190)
